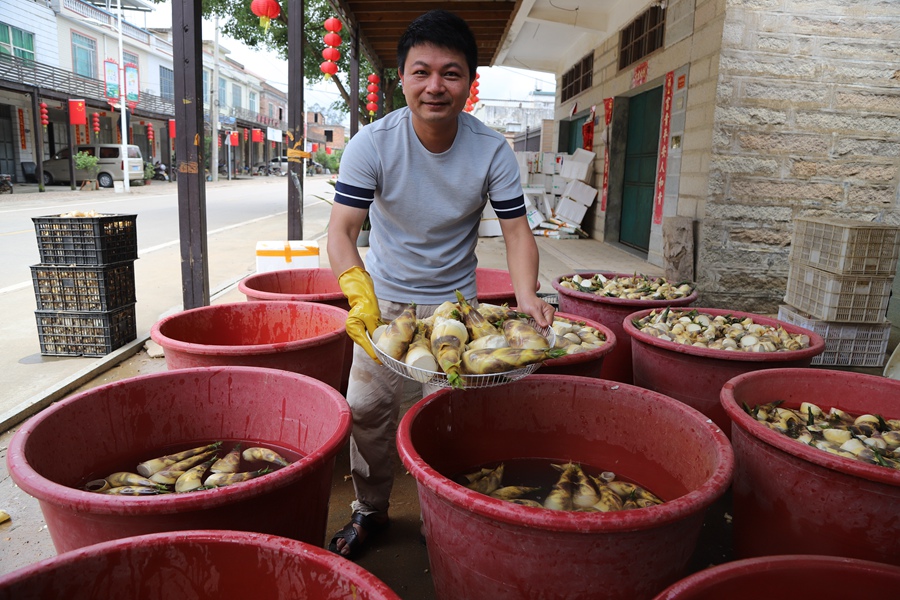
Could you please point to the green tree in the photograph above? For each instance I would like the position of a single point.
(238, 22)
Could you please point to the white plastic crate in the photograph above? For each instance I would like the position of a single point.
(845, 246)
(842, 298)
(846, 344)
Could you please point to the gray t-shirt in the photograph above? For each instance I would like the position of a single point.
(425, 207)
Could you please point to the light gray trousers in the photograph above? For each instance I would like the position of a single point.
(375, 394)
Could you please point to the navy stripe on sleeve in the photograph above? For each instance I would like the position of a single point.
(509, 209)
(353, 196)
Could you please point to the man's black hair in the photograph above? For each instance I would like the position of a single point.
(444, 30)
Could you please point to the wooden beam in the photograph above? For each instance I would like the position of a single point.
(187, 44)
(296, 122)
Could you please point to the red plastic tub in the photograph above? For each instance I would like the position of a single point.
(297, 285)
(792, 576)
(793, 499)
(696, 375)
(302, 337)
(494, 286)
(480, 547)
(610, 312)
(583, 364)
(225, 565)
(301, 285)
(114, 425)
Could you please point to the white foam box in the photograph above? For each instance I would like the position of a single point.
(580, 192)
(535, 217)
(570, 211)
(489, 228)
(548, 163)
(294, 254)
(558, 184)
(579, 166)
(537, 180)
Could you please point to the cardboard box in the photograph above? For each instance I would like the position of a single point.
(579, 166)
(295, 254)
(558, 185)
(489, 228)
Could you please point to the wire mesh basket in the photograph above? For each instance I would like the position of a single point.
(440, 379)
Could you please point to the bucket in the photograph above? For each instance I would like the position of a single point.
(696, 375)
(480, 547)
(494, 286)
(583, 364)
(301, 285)
(105, 428)
(226, 565)
(793, 499)
(302, 337)
(611, 312)
(792, 576)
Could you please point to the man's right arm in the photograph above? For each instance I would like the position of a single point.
(343, 229)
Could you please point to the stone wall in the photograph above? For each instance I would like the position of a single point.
(806, 123)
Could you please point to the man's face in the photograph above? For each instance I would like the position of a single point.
(436, 83)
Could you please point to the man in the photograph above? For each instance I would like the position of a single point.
(424, 174)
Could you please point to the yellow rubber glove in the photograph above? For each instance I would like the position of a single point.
(365, 315)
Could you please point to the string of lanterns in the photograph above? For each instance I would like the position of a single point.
(45, 115)
(332, 40)
(95, 123)
(266, 10)
(150, 133)
(472, 100)
(372, 96)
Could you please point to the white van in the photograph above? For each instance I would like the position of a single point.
(110, 167)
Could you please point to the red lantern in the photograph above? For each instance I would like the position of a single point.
(266, 10)
(372, 97)
(372, 108)
(45, 115)
(372, 88)
(332, 39)
(373, 78)
(329, 68)
(332, 54)
(474, 99)
(333, 24)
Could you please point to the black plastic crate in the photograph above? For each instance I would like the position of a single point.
(83, 288)
(85, 333)
(98, 240)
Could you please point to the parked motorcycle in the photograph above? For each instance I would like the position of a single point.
(159, 172)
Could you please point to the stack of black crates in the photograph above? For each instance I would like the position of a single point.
(84, 286)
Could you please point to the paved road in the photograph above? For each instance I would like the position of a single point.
(239, 213)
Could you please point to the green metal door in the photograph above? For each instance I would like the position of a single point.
(576, 140)
(7, 150)
(639, 184)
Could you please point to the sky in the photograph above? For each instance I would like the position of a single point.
(494, 83)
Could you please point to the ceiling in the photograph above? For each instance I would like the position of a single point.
(539, 35)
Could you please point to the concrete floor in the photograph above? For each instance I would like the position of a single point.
(397, 557)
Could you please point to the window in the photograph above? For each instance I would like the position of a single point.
(578, 78)
(205, 86)
(84, 56)
(271, 111)
(253, 102)
(109, 152)
(642, 36)
(167, 83)
(128, 57)
(223, 93)
(16, 42)
(236, 93)
(329, 135)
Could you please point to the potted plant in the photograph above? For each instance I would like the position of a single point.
(87, 163)
(149, 171)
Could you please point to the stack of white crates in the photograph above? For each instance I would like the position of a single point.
(839, 284)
